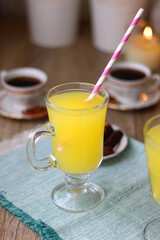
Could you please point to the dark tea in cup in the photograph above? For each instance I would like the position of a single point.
(23, 81)
(127, 74)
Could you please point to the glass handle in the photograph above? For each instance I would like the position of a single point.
(43, 163)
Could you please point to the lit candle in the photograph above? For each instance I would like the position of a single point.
(144, 48)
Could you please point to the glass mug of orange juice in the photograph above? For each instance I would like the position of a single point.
(76, 127)
(152, 145)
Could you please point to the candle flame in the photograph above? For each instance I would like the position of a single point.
(147, 33)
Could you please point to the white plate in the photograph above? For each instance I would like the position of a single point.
(7, 109)
(121, 146)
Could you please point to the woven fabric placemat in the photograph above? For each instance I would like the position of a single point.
(126, 209)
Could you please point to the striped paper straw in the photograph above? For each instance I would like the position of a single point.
(116, 54)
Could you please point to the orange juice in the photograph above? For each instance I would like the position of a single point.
(79, 129)
(152, 143)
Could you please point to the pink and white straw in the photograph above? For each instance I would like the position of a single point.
(116, 54)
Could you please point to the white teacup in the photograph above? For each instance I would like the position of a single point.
(128, 80)
(24, 86)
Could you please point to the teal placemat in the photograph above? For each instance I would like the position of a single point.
(125, 211)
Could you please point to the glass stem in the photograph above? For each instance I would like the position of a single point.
(77, 183)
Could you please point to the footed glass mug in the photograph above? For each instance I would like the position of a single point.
(76, 128)
(152, 145)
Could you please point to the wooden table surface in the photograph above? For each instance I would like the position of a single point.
(79, 62)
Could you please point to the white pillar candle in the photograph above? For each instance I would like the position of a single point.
(144, 49)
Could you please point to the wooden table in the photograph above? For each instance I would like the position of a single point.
(79, 62)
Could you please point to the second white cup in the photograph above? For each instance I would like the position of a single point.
(128, 80)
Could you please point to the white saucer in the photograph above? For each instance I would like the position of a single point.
(145, 100)
(7, 109)
(121, 146)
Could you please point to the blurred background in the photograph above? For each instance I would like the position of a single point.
(16, 8)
